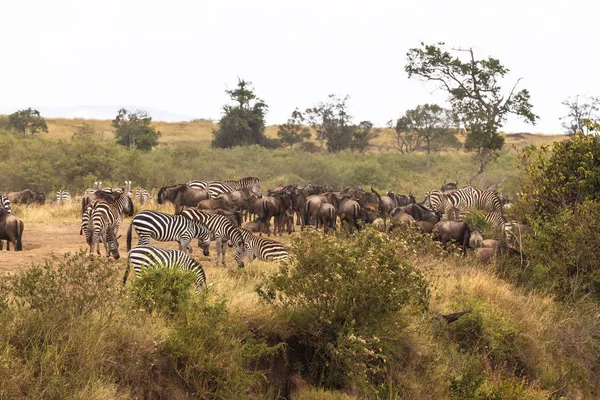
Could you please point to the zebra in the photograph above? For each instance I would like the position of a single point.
(216, 188)
(142, 195)
(222, 230)
(145, 257)
(62, 196)
(463, 199)
(5, 203)
(123, 206)
(264, 249)
(196, 184)
(101, 223)
(166, 227)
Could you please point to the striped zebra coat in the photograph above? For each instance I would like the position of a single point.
(121, 205)
(63, 197)
(166, 227)
(5, 203)
(146, 257)
(142, 196)
(463, 199)
(100, 224)
(263, 249)
(222, 230)
(216, 188)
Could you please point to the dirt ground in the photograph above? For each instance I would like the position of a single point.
(40, 240)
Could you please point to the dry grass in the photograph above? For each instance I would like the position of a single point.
(200, 132)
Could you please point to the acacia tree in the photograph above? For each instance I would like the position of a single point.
(294, 131)
(475, 94)
(133, 130)
(242, 124)
(332, 123)
(27, 121)
(580, 111)
(429, 125)
(362, 135)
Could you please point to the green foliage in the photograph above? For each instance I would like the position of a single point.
(362, 136)
(474, 92)
(564, 175)
(427, 125)
(243, 124)
(294, 132)
(563, 253)
(332, 123)
(134, 131)
(27, 121)
(163, 290)
(340, 292)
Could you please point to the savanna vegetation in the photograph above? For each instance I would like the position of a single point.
(364, 315)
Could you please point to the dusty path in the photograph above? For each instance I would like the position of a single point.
(40, 240)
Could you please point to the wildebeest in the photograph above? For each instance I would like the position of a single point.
(476, 239)
(221, 202)
(420, 213)
(11, 230)
(26, 196)
(326, 216)
(181, 195)
(459, 232)
(449, 186)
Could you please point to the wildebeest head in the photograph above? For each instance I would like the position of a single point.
(449, 186)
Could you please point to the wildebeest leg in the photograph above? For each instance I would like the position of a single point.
(223, 249)
(1, 245)
(218, 243)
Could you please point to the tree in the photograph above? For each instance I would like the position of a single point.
(244, 123)
(579, 112)
(27, 121)
(294, 131)
(332, 123)
(428, 125)
(133, 130)
(362, 135)
(475, 94)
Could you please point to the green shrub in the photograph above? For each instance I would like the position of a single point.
(340, 291)
(163, 290)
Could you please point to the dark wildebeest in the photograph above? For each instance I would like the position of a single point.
(26, 196)
(11, 230)
(252, 226)
(449, 186)
(401, 200)
(421, 213)
(181, 195)
(453, 230)
(349, 211)
(313, 203)
(326, 216)
(287, 199)
(221, 202)
(234, 217)
(425, 226)
(476, 239)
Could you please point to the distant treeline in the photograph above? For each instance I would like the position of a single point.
(48, 164)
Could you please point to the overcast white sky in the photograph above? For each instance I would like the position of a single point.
(180, 56)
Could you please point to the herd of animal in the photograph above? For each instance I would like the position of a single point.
(222, 211)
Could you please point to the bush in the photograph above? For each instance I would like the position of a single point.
(163, 290)
(340, 292)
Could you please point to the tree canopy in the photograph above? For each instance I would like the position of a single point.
(427, 125)
(294, 131)
(581, 109)
(332, 123)
(243, 123)
(133, 130)
(27, 121)
(475, 93)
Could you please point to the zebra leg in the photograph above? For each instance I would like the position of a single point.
(143, 240)
(105, 241)
(219, 249)
(224, 248)
(184, 245)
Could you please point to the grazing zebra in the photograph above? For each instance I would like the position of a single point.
(264, 249)
(123, 206)
(100, 223)
(145, 257)
(463, 199)
(142, 195)
(62, 196)
(5, 203)
(216, 188)
(222, 230)
(166, 227)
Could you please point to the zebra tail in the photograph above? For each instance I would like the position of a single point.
(129, 234)
(19, 230)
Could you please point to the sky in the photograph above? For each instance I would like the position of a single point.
(176, 58)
